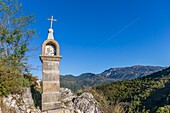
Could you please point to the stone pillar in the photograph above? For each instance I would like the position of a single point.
(50, 83)
(50, 59)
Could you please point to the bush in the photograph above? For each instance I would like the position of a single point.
(165, 109)
(11, 80)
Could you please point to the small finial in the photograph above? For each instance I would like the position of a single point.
(51, 19)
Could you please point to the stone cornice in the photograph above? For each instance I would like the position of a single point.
(50, 58)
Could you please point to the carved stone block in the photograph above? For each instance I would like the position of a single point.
(51, 106)
(51, 86)
(50, 97)
(51, 76)
(51, 65)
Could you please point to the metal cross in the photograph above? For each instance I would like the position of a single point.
(51, 19)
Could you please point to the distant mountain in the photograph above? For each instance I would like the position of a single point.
(76, 83)
(127, 73)
(149, 94)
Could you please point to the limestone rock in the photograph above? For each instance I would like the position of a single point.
(20, 103)
(86, 103)
(66, 94)
(27, 98)
(12, 103)
(66, 98)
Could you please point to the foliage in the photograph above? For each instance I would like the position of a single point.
(76, 83)
(11, 80)
(14, 34)
(36, 90)
(83, 81)
(165, 109)
(69, 81)
(101, 99)
(142, 95)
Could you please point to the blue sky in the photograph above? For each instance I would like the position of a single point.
(95, 35)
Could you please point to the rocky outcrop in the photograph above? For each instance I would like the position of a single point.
(19, 103)
(85, 103)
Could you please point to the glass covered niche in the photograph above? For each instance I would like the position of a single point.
(50, 49)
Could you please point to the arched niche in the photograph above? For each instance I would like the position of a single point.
(50, 47)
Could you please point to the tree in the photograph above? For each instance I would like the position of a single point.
(15, 34)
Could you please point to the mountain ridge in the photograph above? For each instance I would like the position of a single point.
(84, 80)
(148, 94)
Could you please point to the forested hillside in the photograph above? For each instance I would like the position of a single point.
(85, 80)
(149, 94)
(76, 83)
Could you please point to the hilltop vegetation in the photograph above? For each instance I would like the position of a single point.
(85, 80)
(149, 94)
(15, 35)
(14, 41)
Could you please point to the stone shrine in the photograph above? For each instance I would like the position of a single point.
(50, 59)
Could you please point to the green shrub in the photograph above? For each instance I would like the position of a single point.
(11, 80)
(165, 109)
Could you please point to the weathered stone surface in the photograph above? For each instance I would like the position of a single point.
(20, 103)
(86, 103)
(51, 72)
(27, 98)
(50, 97)
(33, 111)
(58, 111)
(44, 58)
(70, 103)
(66, 94)
(51, 65)
(51, 86)
(55, 43)
(51, 106)
(51, 75)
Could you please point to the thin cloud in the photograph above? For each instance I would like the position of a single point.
(117, 33)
